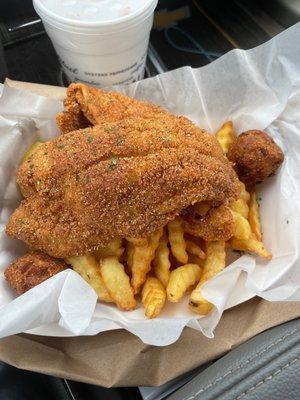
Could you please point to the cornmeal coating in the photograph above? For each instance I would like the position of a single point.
(120, 179)
(127, 176)
(31, 270)
(216, 224)
(87, 106)
(255, 156)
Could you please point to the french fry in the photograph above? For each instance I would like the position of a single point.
(130, 251)
(242, 227)
(241, 207)
(140, 260)
(174, 262)
(138, 241)
(193, 248)
(252, 245)
(181, 279)
(196, 260)
(117, 282)
(215, 259)
(113, 249)
(198, 304)
(225, 136)
(161, 261)
(88, 268)
(153, 297)
(214, 263)
(254, 219)
(240, 211)
(244, 195)
(31, 150)
(176, 239)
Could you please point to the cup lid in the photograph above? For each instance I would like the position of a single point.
(90, 26)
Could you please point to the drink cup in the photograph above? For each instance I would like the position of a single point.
(100, 53)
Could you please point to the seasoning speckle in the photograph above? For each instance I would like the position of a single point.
(110, 129)
(30, 171)
(113, 163)
(119, 141)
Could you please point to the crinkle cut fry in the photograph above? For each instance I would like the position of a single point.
(141, 259)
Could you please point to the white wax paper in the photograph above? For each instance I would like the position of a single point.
(257, 89)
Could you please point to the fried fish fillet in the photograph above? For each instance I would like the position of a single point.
(116, 180)
(216, 224)
(86, 106)
(31, 270)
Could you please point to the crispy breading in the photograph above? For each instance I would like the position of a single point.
(117, 180)
(85, 105)
(216, 224)
(73, 119)
(255, 156)
(31, 270)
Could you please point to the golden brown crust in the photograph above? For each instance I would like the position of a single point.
(216, 224)
(31, 270)
(255, 156)
(117, 180)
(85, 105)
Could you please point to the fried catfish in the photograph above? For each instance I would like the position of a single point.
(31, 270)
(121, 178)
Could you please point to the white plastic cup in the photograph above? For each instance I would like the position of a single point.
(101, 53)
